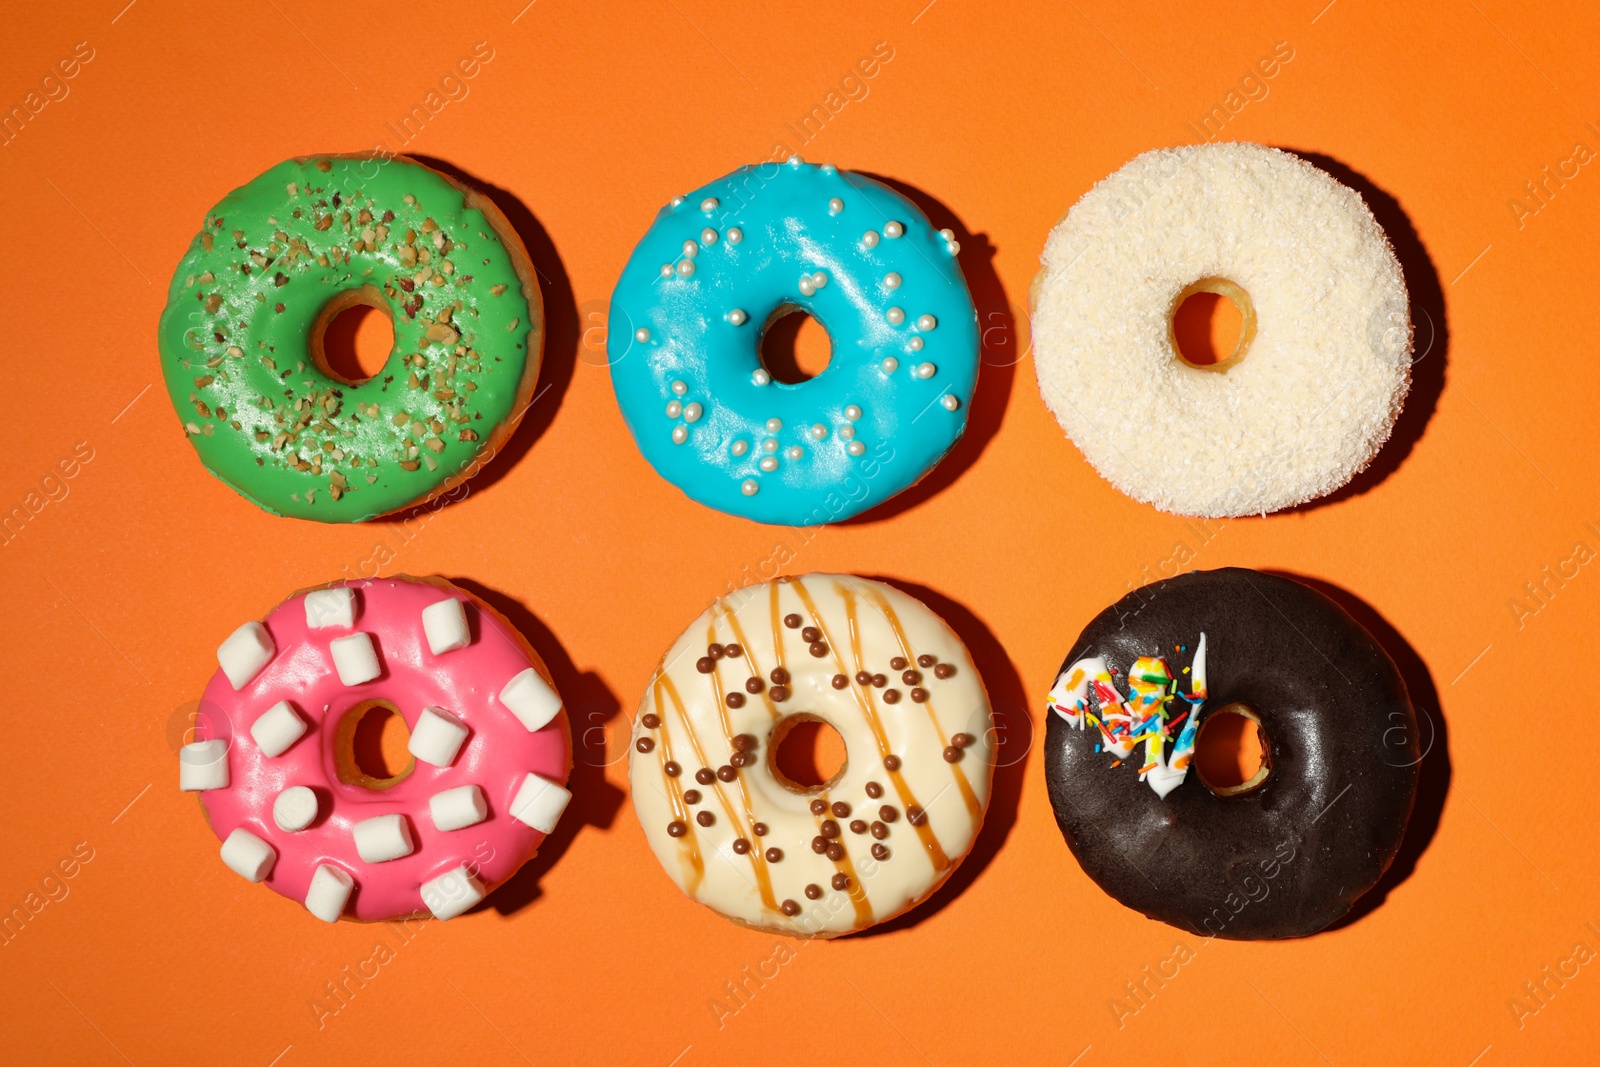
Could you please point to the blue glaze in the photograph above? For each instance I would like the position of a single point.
(790, 231)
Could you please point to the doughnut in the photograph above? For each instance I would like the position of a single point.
(1322, 365)
(272, 757)
(720, 266)
(1282, 854)
(241, 338)
(741, 837)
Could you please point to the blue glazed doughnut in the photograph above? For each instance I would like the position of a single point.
(722, 264)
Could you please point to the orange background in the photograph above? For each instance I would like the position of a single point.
(119, 592)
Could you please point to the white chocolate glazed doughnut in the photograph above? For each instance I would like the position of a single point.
(892, 824)
(1305, 402)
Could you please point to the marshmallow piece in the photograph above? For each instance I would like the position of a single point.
(458, 808)
(530, 699)
(355, 658)
(203, 765)
(277, 728)
(294, 809)
(331, 608)
(438, 737)
(445, 623)
(382, 838)
(329, 891)
(539, 803)
(247, 855)
(452, 893)
(244, 653)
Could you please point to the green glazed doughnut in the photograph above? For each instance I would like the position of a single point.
(276, 260)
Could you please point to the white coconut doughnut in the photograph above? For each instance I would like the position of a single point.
(887, 829)
(1323, 364)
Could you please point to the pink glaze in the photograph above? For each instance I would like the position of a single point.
(498, 753)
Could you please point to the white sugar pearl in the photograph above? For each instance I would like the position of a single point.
(641, 335)
(294, 809)
(666, 270)
(768, 463)
(819, 431)
(452, 893)
(203, 765)
(895, 316)
(438, 737)
(891, 280)
(950, 401)
(793, 452)
(248, 856)
(691, 249)
(870, 238)
(539, 803)
(458, 808)
(445, 624)
(740, 447)
(708, 236)
(677, 201)
(244, 653)
(737, 317)
(674, 408)
(828, 168)
(855, 448)
(925, 370)
(893, 229)
(329, 892)
(948, 235)
(769, 446)
(915, 344)
(277, 728)
(774, 425)
(807, 287)
(835, 206)
(852, 412)
(890, 365)
(686, 268)
(680, 434)
(709, 204)
(749, 487)
(926, 322)
(692, 411)
(529, 697)
(735, 235)
(679, 388)
(820, 279)
(795, 160)
(760, 377)
(355, 658)
(383, 838)
(330, 608)
(953, 247)
(846, 432)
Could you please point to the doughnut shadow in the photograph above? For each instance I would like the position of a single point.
(561, 332)
(1014, 740)
(998, 354)
(589, 703)
(1430, 330)
(1433, 777)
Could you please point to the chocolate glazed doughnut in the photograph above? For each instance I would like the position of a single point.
(1288, 851)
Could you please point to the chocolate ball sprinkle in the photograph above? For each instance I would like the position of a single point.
(841, 881)
(863, 678)
(888, 813)
(813, 891)
(644, 744)
(819, 844)
(740, 759)
(840, 681)
(911, 677)
(753, 686)
(744, 742)
(774, 855)
(829, 828)
(858, 826)
(732, 651)
(919, 695)
(916, 816)
(779, 676)
(705, 776)
(792, 621)
(952, 754)
(714, 650)
(840, 809)
(880, 831)
(835, 852)
(880, 852)
(705, 818)
(691, 796)
(779, 694)
(727, 773)
(819, 806)
(650, 720)
(925, 661)
(672, 768)
(874, 790)
(790, 908)
(891, 696)
(898, 663)
(818, 649)
(891, 762)
(962, 740)
(734, 700)
(879, 681)
(759, 829)
(943, 670)
(705, 664)
(677, 828)
(811, 633)
(741, 845)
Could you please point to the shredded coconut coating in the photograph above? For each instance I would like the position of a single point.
(1318, 390)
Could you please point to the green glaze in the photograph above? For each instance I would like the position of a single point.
(235, 338)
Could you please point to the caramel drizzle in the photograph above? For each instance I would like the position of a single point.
(680, 809)
(777, 624)
(930, 842)
(974, 808)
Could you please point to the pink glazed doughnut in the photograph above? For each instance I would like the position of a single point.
(271, 757)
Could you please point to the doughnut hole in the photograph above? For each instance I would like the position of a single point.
(795, 347)
(353, 336)
(1213, 323)
(806, 754)
(1232, 755)
(369, 746)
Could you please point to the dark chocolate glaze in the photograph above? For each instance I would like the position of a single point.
(1291, 856)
